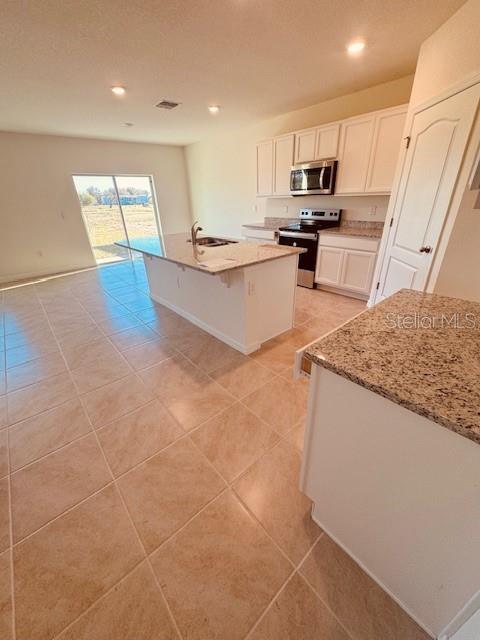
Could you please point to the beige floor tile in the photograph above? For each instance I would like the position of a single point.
(297, 435)
(3, 453)
(3, 409)
(132, 337)
(277, 354)
(68, 565)
(80, 355)
(39, 397)
(40, 336)
(45, 489)
(46, 432)
(133, 610)
(35, 371)
(181, 333)
(149, 353)
(167, 490)
(223, 546)
(270, 490)
(80, 338)
(64, 328)
(4, 515)
(130, 440)
(242, 376)
(298, 614)
(208, 353)
(114, 400)
(301, 316)
(281, 403)
(121, 323)
(106, 368)
(32, 351)
(6, 623)
(233, 440)
(190, 395)
(363, 608)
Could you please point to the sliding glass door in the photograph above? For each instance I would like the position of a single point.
(116, 208)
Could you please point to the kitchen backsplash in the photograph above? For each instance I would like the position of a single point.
(368, 208)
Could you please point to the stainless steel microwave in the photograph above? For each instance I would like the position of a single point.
(313, 178)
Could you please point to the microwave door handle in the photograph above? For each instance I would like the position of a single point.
(320, 178)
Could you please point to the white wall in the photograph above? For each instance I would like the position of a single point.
(221, 169)
(449, 55)
(41, 227)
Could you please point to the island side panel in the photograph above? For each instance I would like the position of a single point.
(399, 493)
(270, 303)
(214, 304)
(242, 307)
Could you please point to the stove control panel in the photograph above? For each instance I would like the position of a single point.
(330, 215)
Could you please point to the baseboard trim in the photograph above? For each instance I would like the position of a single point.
(245, 349)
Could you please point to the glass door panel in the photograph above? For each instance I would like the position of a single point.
(103, 217)
(137, 203)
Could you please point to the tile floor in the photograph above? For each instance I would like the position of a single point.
(148, 477)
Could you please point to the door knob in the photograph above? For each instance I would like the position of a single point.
(426, 249)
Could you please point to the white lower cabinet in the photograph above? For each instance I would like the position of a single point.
(346, 263)
(329, 265)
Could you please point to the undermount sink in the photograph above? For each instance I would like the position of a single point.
(213, 242)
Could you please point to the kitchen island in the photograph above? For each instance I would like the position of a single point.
(392, 456)
(242, 292)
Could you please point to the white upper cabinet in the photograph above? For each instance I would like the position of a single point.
(282, 164)
(305, 145)
(317, 144)
(387, 139)
(326, 145)
(265, 168)
(369, 149)
(354, 154)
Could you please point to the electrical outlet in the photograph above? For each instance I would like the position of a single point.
(373, 210)
(254, 208)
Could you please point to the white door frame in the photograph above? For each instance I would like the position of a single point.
(447, 228)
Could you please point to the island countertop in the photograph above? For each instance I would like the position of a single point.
(177, 248)
(421, 351)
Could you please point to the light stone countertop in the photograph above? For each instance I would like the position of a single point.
(242, 253)
(419, 350)
(358, 232)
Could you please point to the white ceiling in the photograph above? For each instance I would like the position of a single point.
(256, 58)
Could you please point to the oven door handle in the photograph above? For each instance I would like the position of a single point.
(320, 178)
(300, 236)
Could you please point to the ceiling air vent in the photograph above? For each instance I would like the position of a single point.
(167, 104)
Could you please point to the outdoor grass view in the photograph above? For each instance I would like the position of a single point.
(116, 208)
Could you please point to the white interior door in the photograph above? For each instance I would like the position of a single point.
(438, 138)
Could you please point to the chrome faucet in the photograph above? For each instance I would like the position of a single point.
(194, 232)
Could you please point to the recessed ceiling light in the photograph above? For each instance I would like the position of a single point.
(355, 47)
(214, 108)
(118, 91)
(127, 124)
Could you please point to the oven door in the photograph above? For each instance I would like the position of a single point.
(306, 261)
(313, 178)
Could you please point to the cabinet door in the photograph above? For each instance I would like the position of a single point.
(265, 168)
(305, 146)
(357, 270)
(327, 142)
(329, 265)
(387, 139)
(283, 159)
(355, 145)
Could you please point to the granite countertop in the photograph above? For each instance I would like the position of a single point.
(176, 248)
(359, 232)
(419, 350)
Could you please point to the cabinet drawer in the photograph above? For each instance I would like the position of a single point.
(349, 242)
(258, 234)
